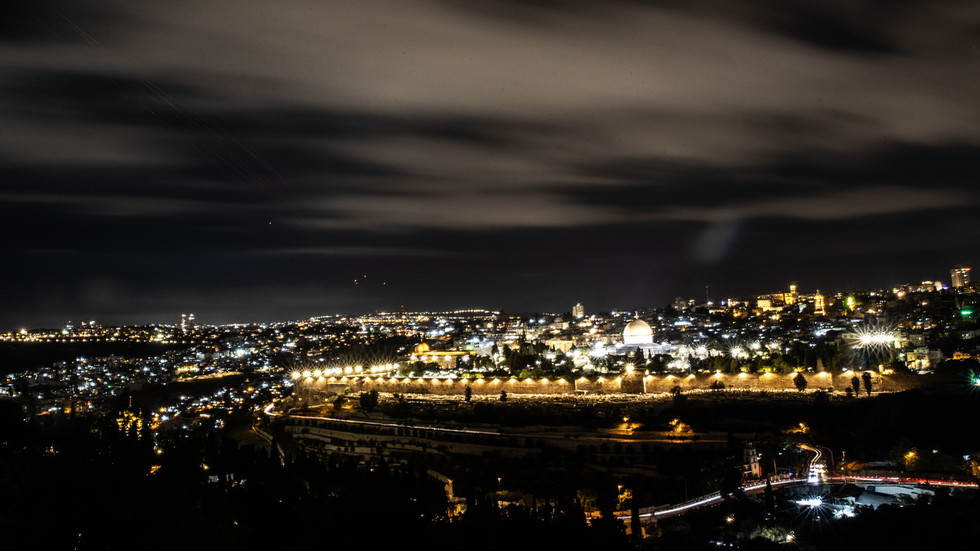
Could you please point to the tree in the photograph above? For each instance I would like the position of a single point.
(731, 478)
(800, 382)
(659, 362)
(780, 365)
(636, 529)
(821, 399)
(468, 394)
(368, 400)
(341, 398)
(769, 499)
(856, 385)
(679, 397)
(288, 403)
(638, 359)
(866, 377)
(503, 395)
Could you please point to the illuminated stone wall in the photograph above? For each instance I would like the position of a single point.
(317, 388)
(458, 386)
(742, 381)
(778, 382)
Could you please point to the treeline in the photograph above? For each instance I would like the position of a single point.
(106, 483)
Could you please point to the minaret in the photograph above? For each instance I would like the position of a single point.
(818, 307)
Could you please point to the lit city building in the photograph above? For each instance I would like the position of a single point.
(960, 276)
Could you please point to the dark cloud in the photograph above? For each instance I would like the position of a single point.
(853, 27)
(254, 159)
(61, 21)
(102, 98)
(944, 172)
(863, 27)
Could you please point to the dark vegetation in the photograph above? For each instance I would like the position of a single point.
(98, 483)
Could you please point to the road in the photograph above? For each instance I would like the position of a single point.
(816, 473)
(715, 498)
(577, 438)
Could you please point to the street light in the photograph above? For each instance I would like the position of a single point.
(910, 458)
(871, 338)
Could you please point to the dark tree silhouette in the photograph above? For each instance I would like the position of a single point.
(866, 377)
(821, 398)
(769, 499)
(800, 382)
(368, 400)
(468, 394)
(679, 397)
(503, 395)
(636, 529)
(856, 385)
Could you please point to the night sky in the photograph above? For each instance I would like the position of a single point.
(248, 161)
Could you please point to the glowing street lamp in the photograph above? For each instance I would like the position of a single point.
(910, 457)
(701, 351)
(813, 504)
(872, 338)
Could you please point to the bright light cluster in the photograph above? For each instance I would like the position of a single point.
(348, 370)
(872, 336)
(875, 338)
(810, 502)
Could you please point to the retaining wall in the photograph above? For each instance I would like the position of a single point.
(627, 384)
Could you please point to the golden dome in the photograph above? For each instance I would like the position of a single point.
(637, 328)
(421, 348)
(637, 333)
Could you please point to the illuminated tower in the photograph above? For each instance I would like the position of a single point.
(578, 311)
(818, 306)
(960, 276)
(183, 323)
(190, 322)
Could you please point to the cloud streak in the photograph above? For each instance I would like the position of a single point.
(329, 134)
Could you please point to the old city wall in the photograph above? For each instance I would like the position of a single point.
(628, 384)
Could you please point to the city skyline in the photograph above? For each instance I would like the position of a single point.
(813, 302)
(255, 161)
